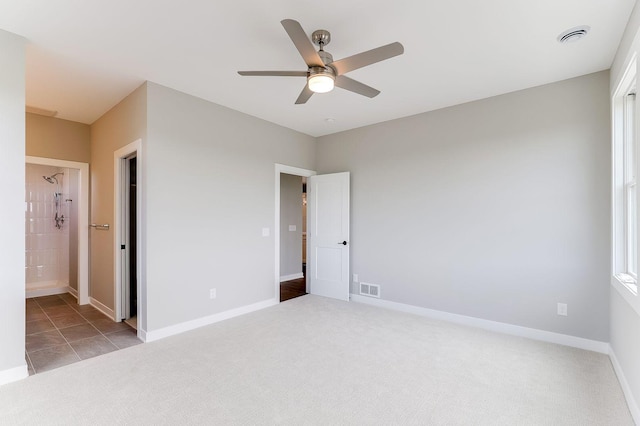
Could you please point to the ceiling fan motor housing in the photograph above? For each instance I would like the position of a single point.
(322, 71)
(321, 37)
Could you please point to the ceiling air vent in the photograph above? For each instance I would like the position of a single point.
(573, 34)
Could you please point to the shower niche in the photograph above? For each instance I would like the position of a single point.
(51, 236)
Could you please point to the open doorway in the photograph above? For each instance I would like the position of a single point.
(130, 291)
(296, 239)
(127, 231)
(292, 236)
(327, 246)
(56, 231)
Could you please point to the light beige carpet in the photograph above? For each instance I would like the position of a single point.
(313, 360)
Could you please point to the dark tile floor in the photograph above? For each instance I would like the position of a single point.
(61, 332)
(291, 289)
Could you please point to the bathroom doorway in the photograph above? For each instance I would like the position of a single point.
(56, 228)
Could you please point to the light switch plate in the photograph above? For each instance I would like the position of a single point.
(292, 228)
(562, 309)
(265, 232)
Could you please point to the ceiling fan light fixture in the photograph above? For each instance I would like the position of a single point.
(321, 80)
(322, 70)
(321, 83)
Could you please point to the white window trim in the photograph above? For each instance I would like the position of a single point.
(629, 182)
(623, 178)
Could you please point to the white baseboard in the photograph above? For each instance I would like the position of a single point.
(499, 327)
(150, 336)
(291, 277)
(142, 334)
(73, 292)
(102, 308)
(628, 395)
(46, 291)
(14, 374)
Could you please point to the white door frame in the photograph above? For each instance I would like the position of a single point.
(83, 218)
(296, 171)
(120, 157)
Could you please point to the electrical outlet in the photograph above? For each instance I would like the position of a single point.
(355, 278)
(212, 293)
(562, 309)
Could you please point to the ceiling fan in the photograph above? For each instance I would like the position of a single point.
(323, 72)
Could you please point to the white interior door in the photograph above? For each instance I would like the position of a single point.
(328, 235)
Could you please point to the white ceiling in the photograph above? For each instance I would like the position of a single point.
(85, 56)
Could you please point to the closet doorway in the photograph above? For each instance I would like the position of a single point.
(128, 302)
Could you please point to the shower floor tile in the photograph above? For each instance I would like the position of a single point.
(60, 332)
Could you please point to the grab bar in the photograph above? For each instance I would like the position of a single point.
(104, 227)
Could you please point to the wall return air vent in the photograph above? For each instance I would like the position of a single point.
(372, 290)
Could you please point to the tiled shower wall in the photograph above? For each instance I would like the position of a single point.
(47, 247)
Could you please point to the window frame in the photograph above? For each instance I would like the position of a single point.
(625, 188)
(630, 187)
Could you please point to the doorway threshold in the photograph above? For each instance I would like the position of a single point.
(133, 322)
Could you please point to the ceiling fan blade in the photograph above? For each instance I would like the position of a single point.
(304, 95)
(367, 58)
(352, 85)
(274, 73)
(302, 43)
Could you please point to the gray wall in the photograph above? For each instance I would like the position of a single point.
(12, 175)
(626, 46)
(211, 189)
(290, 214)
(496, 209)
(625, 329)
(51, 137)
(123, 124)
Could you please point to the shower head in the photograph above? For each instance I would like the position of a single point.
(52, 178)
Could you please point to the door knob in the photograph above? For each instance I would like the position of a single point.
(344, 243)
